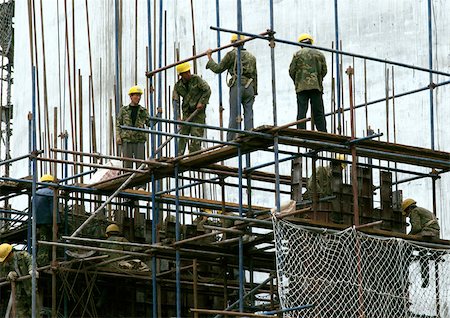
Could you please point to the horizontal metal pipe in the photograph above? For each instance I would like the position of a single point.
(95, 165)
(321, 48)
(82, 239)
(179, 135)
(18, 158)
(151, 73)
(93, 248)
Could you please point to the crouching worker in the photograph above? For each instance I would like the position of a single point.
(13, 265)
(424, 224)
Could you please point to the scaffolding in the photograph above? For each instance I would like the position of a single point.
(219, 247)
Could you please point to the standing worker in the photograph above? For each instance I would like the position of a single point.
(307, 70)
(133, 115)
(44, 218)
(248, 87)
(424, 224)
(195, 92)
(15, 264)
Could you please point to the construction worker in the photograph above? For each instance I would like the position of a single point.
(195, 92)
(15, 264)
(113, 234)
(248, 85)
(323, 180)
(44, 218)
(132, 115)
(425, 224)
(307, 69)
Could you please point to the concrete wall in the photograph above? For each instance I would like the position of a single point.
(394, 30)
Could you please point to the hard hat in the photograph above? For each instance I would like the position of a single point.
(135, 90)
(47, 178)
(112, 228)
(406, 204)
(235, 37)
(183, 67)
(305, 36)
(341, 157)
(5, 249)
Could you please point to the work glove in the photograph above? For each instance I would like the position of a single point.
(12, 276)
(31, 273)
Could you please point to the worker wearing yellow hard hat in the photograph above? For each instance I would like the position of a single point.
(13, 265)
(44, 203)
(247, 89)
(423, 222)
(195, 93)
(132, 142)
(307, 70)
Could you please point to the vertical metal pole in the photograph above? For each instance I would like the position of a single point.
(116, 37)
(239, 67)
(275, 118)
(30, 170)
(160, 74)
(338, 77)
(65, 137)
(177, 238)
(152, 151)
(430, 64)
(241, 245)
(33, 193)
(353, 149)
(219, 55)
(177, 224)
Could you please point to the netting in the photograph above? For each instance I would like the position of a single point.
(352, 274)
(6, 28)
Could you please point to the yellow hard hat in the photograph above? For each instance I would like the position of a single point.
(5, 249)
(235, 37)
(47, 178)
(305, 36)
(406, 204)
(135, 90)
(341, 157)
(112, 228)
(183, 67)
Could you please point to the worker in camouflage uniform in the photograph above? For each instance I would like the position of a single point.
(15, 264)
(307, 69)
(133, 115)
(113, 235)
(248, 87)
(195, 92)
(323, 180)
(44, 219)
(425, 224)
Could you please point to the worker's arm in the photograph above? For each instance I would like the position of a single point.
(414, 219)
(206, 92)
(293, 68)
(225, 64)
(324, 67)
(119, 122)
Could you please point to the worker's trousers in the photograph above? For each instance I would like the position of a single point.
(317, 109)
(133, 150)
(247, 100)
(194, 144)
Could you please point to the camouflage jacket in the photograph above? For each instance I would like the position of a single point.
(307, 70)
(323, 182)
(422, 219)
(115, 238)
(248, 69)
(124, 119)
(21, 264)
(193, 92)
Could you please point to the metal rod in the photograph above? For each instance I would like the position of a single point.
(321, 48)
(151, 73)
(33, 193)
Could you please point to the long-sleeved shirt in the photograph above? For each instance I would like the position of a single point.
(307, 69)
